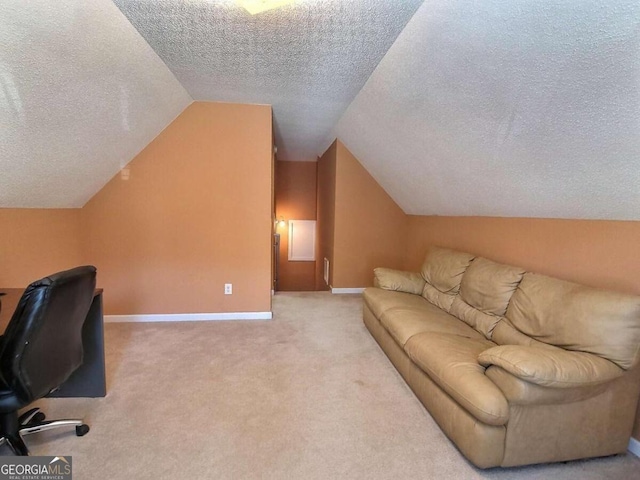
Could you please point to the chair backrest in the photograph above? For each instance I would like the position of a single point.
(42, 344)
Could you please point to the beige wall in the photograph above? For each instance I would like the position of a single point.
(370, 228)
(602, 254)
(37, 242)
(295, 199)
(326, 204)
(194, 215)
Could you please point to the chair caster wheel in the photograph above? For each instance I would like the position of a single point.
(38, 417)
(82, 430)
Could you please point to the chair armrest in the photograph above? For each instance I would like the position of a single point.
(397, 280)
(551, 368)
(3, 383)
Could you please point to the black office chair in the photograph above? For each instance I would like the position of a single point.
(41, 347)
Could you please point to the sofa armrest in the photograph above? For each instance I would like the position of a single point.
(521, 392)
(551, 368)
(397, 280)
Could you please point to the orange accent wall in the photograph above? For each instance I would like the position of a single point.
(194, 215)
(370, 228)
(295, 199)
(326, 204)
(598, 253)
(603, 254)
(360, 226)
(37, 242)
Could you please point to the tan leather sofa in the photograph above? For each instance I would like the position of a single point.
(516, 368)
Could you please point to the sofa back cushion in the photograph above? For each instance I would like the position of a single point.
(506, 334)
(488, 286)
(485, 291)
(442, 271)
(578, 318)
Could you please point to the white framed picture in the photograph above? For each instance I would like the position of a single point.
(302, 240)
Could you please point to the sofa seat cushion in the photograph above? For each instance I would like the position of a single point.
(379, 300)
(405, 322)
(451, 362)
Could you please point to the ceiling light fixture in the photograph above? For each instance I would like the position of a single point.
(258, 6)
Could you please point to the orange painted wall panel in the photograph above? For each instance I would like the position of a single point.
(370, 228)
(602, 254)
(326, 205)
(295, 199)
(194, 215)
(37, 242)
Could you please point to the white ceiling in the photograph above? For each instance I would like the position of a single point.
(308, 60)
(507, 108)
(81, 93)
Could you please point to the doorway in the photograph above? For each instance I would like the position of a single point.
(295, 202)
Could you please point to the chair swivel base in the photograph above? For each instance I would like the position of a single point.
(13, 428)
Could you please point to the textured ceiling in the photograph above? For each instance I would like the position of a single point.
(500, 107)
(507, 108)
(308, 60)
(81, 93)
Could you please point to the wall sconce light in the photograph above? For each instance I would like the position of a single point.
(280, 221)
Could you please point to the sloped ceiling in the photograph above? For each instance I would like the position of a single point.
(499, 107)
(308, 60)
(507, 108)
(81, 93)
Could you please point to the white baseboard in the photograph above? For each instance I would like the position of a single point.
(188, 317)
(339, 291)
(634, 446)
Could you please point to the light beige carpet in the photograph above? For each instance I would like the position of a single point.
(308, 395)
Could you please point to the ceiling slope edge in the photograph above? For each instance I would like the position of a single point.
(82, 93)
(506, 109)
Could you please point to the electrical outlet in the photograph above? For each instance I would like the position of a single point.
(228, 288)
